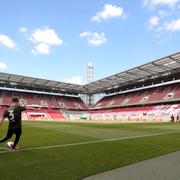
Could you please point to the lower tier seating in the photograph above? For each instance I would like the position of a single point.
(42, 100)
(156, 113)
(43, 115)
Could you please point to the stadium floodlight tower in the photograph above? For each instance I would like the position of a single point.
(90, 78)
(90, 72)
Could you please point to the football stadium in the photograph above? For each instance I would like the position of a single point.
(69, 140)
(125, 126)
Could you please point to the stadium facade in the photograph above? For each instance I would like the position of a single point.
(150, 92)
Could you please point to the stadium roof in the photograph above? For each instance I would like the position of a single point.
(159, 68)
(37, 83)
(152, 70)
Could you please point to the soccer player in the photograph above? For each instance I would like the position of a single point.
(172, 118)
(13, 114)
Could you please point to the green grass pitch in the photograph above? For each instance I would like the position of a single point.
(82, 160)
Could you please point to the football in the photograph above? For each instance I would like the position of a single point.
(9, 145)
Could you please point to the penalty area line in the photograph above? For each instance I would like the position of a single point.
(88, 142)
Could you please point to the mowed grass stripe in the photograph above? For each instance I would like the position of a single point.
(90, 142)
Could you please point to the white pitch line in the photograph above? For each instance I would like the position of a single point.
(90, 142)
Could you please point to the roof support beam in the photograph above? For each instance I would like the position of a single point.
(134, 74)
(174, 59)
(9, 77)
(161, 66)
(148, 71)
(45, 83)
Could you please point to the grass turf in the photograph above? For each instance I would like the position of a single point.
(76, 162)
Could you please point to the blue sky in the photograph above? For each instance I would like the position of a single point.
(56, 39)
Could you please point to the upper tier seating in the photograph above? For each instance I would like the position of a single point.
(147, 96)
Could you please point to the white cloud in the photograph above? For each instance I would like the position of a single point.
(23, 29)
(109, 11)
(174, 25)
(3, 66)
(154, 21)
(6, 41)
(75, 80)
(84, 34)
(94, 38)
(160, 2)
(45, 38)
(41, 49)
